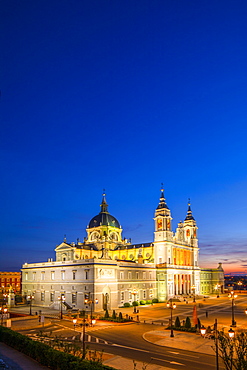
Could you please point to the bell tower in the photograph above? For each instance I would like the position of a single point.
(162, 220)
(190, 228)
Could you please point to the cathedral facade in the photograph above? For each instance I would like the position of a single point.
(107, 270)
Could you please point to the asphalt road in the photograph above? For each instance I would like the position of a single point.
(127, 341)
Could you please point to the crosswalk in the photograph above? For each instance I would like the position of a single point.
(93, 339)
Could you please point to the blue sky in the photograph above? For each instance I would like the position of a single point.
(122, 95)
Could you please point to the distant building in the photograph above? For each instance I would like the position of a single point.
(108, 269)
(10, 280)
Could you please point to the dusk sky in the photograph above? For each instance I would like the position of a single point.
(122, 95)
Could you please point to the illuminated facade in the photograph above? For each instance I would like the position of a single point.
(10, 281)
(111, 270)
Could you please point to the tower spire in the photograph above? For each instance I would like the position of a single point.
(162, 203)
(189, 215)
(104, 205)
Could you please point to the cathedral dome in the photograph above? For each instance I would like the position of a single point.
(104, 218)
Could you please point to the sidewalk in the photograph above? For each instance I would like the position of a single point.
(16, 360)
(181, 340)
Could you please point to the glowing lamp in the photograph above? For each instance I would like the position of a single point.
(231, 333)
(203, 330)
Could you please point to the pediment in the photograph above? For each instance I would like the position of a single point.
(64, 246)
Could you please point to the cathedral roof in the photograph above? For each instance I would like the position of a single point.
(162, 204)
(189, 216)
(104, 217)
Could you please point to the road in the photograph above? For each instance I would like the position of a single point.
(127, 341)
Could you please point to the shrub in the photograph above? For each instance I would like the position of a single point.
(135, 303)
(187, 323)
(155, 300)
(47, 356)
(142, 302)
(126, 304)
(120, 316)
(114, 315)
(198, 324)
(148, 301)
(106, 314)
(177, 323)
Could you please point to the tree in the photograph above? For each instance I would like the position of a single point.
(106, 314)
(187, 323)
(120, 316)
(114, 315)
(177, 322)
(233, 351)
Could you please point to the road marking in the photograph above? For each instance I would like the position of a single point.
(97, 340)
(177, 363)
(134, 349)
(182, 354)
(170, 362)
(159, 359)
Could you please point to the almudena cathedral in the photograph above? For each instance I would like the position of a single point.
(108, 269)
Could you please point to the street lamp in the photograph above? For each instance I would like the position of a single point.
(3, 311)
(232, 296)
(74, 322)
(217, 287)
(231, 334)
(172, 307)
(83, 336)
(216, 344)
(193, 288)
(91, 303)
(62, 300)
(30, 297)
(203, 330)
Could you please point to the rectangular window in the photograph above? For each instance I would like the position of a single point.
(121, 275)
(144, 294)
(34, 275)
(52, 297)
(52, 275)
(42, 296)
(26, 275)
(74, 298)
(137, 275)
(73, 275)
(86, 274)
(160, 259)
(129, 275)
(62, 275)
(151, 293)
(122, 296)
(130, 296)
(42, 275)
(169, 260)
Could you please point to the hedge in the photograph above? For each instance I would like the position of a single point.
(46, 355)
